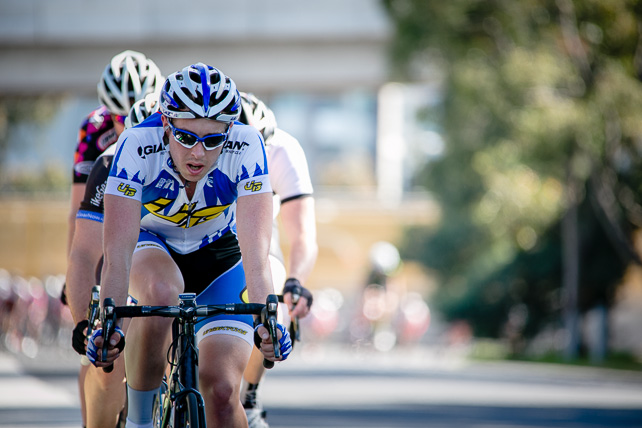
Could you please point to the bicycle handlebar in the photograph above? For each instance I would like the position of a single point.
(295, 331)
(178, 312)
(268, 314)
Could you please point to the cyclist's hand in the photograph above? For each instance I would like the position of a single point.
(302, 307)
(95, 345)
(78, 338)
(263, 341)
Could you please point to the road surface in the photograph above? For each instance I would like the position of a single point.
(339, 386)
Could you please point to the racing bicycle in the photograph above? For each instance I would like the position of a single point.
(179, 403)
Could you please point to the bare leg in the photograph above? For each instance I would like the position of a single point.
(155, 280)
(82, 373)
(220, 380)
(254, 371)
(105, 394)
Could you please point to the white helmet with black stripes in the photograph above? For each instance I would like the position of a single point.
(128, 77)
(257, 114)
(141, 110)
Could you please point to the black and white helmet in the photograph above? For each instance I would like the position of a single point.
(128, 78)
(142, 109)
(257, 114)
(200, 91)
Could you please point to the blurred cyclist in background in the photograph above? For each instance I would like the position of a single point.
(388, 313)
(128, 78)
(292, 187)
(104, 394)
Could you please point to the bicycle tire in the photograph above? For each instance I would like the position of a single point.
(193, 415)
(189, 416)
(162, 408)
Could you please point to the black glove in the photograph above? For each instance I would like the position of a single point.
(63, 294)
(78, 337)
(292, 285)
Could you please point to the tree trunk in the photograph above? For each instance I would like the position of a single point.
(570, 264)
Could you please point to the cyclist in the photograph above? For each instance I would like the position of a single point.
(128, 77)
(292, 187)
(104, 395)
(181, 206)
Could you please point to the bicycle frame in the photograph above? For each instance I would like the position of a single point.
(183, 395)
(183, 380)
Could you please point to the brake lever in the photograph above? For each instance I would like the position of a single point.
(93, 311)
(109, 325)
(268, 319)
(294, 322)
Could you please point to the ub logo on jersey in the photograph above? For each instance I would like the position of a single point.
(126, 190)
(187, 215)
(253, 186)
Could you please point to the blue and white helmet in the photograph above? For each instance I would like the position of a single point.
(200, 91)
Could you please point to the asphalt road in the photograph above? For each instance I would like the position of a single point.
(338, 386)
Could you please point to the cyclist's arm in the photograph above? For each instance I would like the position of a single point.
(299, 225)
(121, 229)
(77, 194)
(84, 256)
(254, 229)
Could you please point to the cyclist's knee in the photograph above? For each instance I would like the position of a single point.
(159, 292)
(220, 393)
(106, 381)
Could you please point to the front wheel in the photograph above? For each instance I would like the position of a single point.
(189, 413)
(161, 415)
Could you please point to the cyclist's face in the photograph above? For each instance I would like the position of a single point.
(195, 162)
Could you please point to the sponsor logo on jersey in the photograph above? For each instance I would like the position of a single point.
(253, 186)
(165, 183)
(148, 150)
(235, 147)
(83, 168)
(187, 215)
(223, 329)
(126, 190)
(97, 199)
(108, 138)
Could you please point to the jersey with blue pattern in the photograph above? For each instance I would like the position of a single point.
(143, 170)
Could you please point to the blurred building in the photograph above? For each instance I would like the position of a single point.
(321, 66)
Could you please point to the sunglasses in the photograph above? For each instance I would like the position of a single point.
(189, 140)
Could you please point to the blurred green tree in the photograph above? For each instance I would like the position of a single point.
(540, 183)
(16, 111)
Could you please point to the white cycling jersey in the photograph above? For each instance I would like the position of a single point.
(142, 169)
(289, 174)
(289, 178)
